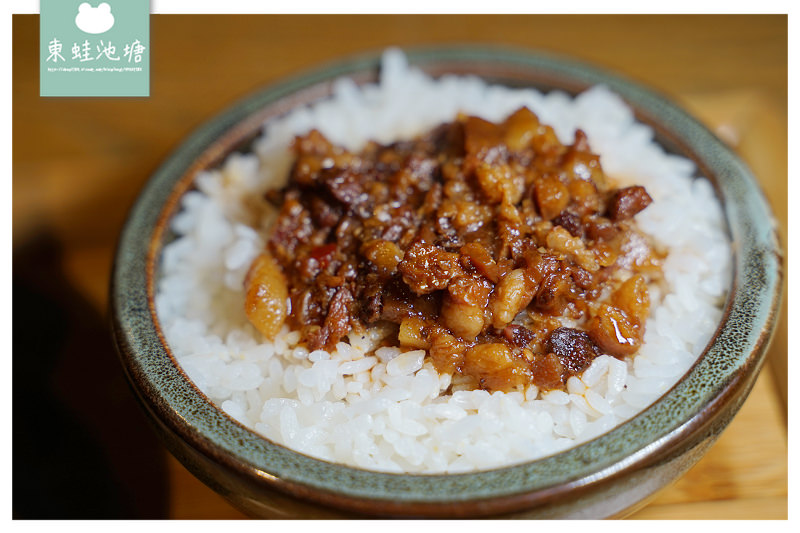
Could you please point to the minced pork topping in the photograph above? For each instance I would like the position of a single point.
(508, 256)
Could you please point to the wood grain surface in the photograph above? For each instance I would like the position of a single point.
(78, 164)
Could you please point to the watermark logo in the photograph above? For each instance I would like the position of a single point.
(94, 50)
(94, 19)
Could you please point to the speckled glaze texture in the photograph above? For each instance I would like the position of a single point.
(606, 477)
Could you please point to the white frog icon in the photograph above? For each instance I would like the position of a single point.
(94, 19)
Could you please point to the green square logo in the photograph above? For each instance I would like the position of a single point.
(94, 48)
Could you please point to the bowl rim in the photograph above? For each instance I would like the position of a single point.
(726, 368)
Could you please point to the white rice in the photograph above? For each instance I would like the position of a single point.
(383, 409)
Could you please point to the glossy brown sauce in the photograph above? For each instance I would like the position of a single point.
(475, 241)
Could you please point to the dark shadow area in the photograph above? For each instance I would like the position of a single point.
(82, 448)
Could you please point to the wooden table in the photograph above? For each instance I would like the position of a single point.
(79, 163)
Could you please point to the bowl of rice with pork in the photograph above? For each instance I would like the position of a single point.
(462, 282)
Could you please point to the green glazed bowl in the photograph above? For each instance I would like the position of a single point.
(606, 477)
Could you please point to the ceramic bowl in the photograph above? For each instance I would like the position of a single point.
(608, 476)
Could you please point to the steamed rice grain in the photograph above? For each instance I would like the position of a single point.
(384, 409)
